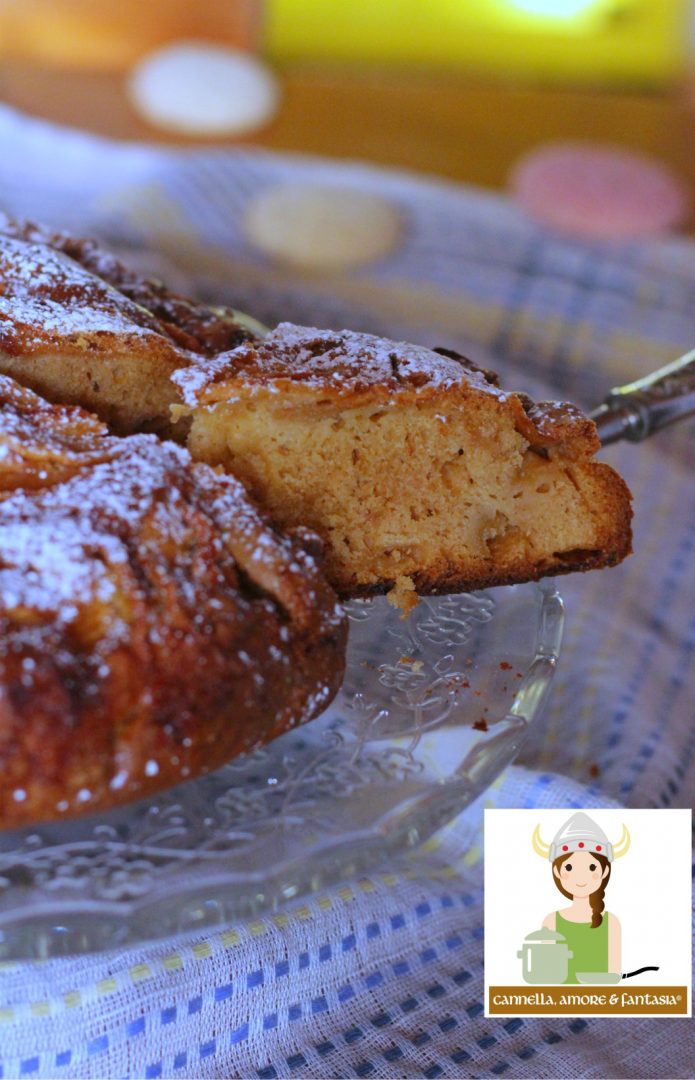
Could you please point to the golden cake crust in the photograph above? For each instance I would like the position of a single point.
(345, 366)
(350, 369)
(199, 328)
(152, 623)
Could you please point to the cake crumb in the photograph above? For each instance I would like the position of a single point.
(403, 596)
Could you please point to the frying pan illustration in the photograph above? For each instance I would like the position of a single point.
(606, 977)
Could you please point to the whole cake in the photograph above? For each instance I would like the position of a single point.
(419, 473)
(152, 623)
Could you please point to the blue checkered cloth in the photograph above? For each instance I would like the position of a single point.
(383, 977)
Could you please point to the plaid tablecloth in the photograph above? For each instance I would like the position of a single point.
(384, 976)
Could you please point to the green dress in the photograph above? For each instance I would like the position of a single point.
(589, 945)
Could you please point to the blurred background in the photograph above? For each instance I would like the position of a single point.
(460, 88)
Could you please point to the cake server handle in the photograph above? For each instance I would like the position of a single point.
(635, 411)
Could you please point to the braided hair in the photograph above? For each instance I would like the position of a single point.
(596, 898)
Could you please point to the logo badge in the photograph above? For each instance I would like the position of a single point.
(588, 912)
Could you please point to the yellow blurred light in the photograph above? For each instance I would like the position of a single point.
(571, 40)
(557, 10)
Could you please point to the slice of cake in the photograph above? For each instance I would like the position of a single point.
(81, 329)
(153, 624)
(416, 469)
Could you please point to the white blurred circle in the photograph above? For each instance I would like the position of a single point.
(321, 227)
(194, 88)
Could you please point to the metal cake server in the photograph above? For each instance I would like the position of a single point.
(638, 409)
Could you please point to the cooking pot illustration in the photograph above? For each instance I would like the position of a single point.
(544, 955)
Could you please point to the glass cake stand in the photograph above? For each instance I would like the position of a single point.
(432, 709)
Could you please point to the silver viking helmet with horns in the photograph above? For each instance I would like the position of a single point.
(580, 833)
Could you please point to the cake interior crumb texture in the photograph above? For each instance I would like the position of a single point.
(424, 470)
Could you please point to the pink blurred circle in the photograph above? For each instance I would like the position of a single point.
(599, 191)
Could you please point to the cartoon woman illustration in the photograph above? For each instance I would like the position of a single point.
(581, 856)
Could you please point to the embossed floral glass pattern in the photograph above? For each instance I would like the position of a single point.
(432, 709)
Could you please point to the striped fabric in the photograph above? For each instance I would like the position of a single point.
(383, 977)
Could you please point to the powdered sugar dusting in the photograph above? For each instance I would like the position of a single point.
(46, 298)
(194, 380)
(346, 363)
(55, 288)
(152, 624)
